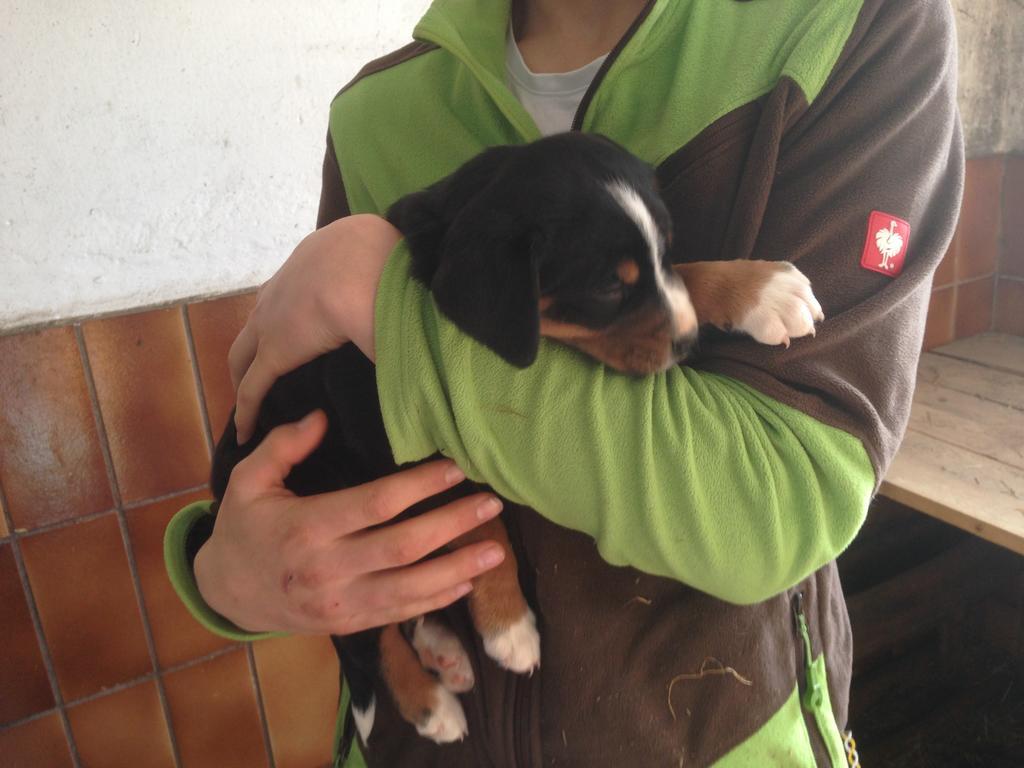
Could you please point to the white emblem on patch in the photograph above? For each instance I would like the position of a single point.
(889, 243)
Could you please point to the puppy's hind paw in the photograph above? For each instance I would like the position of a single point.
(440, 651)
(785, 309)
(516, 647)
(446, 721)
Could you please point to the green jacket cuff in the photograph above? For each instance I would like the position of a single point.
(179, 570)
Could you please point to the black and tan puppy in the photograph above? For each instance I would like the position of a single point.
(565, 238)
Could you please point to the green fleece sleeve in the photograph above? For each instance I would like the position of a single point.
(179, 570)
(687, 475)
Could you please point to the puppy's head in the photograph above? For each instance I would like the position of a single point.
(564, 238)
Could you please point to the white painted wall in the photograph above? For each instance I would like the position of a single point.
(157, 150)
(991, 35)
(162, 149)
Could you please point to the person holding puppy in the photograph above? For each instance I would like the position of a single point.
(685, 523)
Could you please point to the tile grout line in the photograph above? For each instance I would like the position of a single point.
(204, 413)
(61, 322)
(22, 533)
(254, 674)
(208, 431)
(54, 710)
(122, 522)
(44, 646)
(124, 685)
(162, 497)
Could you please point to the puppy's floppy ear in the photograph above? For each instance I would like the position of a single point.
(425, 217)
(487, 280)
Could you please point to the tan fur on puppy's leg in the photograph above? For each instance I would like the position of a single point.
(771, 301)
(421, 700)
(499, 610)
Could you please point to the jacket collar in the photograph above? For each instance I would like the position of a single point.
(474, 32)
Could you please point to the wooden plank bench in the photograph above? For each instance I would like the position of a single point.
(962, 460)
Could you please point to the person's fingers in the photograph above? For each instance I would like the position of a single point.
(282, 448)
(257, 381)
(411, 540)
(240, 356)
(400, 613)
(343, 512)
(390, 590)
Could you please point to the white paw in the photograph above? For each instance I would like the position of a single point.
(441, 652)
(364, 720)
(446, 722)
(785, 309)
(516, 648)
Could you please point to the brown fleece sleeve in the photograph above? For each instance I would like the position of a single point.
(333, 202)
(883, 135)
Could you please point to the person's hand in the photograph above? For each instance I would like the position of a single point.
(322, 297)
(278, 562)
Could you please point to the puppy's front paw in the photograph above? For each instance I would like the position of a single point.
(446, 721)
(516, 647)
(441, 652)
(784, 309)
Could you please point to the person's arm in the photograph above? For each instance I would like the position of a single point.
(695, 475)
(687, 474)
(270, 561)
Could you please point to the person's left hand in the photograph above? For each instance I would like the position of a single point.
(322, 297)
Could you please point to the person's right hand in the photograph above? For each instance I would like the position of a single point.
(322, 297)
(279, 562)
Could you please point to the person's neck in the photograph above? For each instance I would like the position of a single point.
(563, 35)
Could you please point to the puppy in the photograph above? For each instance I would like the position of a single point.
(565, 238)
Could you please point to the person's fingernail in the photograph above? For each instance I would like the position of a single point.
(307, 419)
(463, 589)
(488, 508)
(491, 556)
(454, 475)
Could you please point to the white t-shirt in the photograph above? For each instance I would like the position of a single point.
(551, 99)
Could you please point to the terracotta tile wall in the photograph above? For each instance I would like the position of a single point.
(980, 284)
(105, 431)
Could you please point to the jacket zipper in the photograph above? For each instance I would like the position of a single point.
(521, 690)
(588, 96)
(813, 696)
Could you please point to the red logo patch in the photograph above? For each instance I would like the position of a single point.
(886, 244)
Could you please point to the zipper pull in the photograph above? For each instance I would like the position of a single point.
(813, 697)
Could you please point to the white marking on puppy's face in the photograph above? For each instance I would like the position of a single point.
(670, 287)
(364, 720)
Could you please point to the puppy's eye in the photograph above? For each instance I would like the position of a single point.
(610, 292)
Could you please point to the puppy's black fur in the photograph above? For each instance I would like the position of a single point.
(512, 225)
(520, 222)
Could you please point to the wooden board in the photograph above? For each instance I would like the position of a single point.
(969, 422)
(992, 350)
(964, 489)
(962, 460)
(971, 379)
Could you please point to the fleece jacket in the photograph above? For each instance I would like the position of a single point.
(687, 521)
